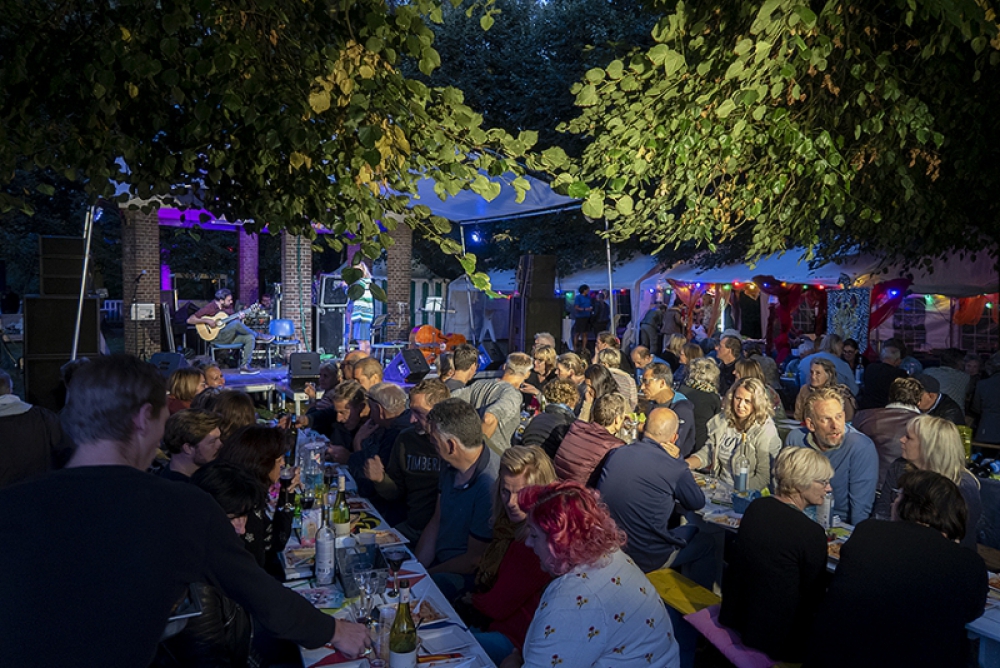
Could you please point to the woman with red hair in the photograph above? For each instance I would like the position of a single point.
(600, 608)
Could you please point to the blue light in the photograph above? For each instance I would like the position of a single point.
(476, 238)
(893, 293)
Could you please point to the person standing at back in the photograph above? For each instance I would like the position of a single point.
(583, 308)
(32, 438)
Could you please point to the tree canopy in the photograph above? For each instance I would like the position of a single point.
(287, 114)
(843, 126)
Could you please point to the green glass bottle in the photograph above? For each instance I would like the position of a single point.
(403, 636)
(341, 512)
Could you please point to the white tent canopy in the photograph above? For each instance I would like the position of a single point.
(468, 208)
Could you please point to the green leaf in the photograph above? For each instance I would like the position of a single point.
(615, 69)
(725, 109)
(486, 21)
(593, 206)
(587, 96)
(378, 292)
(595, 75)
(625, 206)
(807, 15)
(578, 190)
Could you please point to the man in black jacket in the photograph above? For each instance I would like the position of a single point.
(32, 439)
(936, 403)
(102, 551)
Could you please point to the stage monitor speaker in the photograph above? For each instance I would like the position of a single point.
(331, 330)
(43, 384)
(49, 324)
(167, 363)
(491, 357)
(408, 367)
(536, 276)
(302, 368)
(333, 291)
(529, 316)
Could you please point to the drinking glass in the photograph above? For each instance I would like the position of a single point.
(287, 474)
(395, 556)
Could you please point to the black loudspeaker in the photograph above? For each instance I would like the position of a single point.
(60, 265)
(331, 330)
(408, 367)
(491, 357)
(43, 384)
(49, 324)
(529, 316)
(536, 276)
(302, 368)
(167, 363)
(333, 291)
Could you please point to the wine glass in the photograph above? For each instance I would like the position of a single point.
(287, 475)
(395, 556)
(366, 594)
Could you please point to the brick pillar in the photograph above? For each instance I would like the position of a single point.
(399, 270)
(247, 273)
(141, 253)
(296, 285)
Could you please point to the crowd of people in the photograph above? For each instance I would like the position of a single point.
(538, 500)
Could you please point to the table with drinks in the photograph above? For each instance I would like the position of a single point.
(346, 560)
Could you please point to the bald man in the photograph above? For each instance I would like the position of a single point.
(641, 484)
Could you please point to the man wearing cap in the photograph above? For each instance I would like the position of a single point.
(936, 403)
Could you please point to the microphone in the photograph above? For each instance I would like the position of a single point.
(141, 274)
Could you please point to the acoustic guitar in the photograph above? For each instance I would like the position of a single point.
(221, 320)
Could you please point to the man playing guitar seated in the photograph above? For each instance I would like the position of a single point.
(234, 332)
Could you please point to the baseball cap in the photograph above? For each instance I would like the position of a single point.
(930, 383)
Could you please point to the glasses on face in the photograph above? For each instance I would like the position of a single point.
(823, 483)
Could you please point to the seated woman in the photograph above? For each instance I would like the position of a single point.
(260, 452)
(543, 369)
(571, 367)
(776, 575)
(822, 373)
(904, 590)
(548, 428)
(599, 382)
(234, 408)
(933, 444)
(748, 368)
(743, 429)
(184, 385)
(689, 353)
(600, 610)
(509, 579)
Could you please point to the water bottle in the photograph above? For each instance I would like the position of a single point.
(324, 551)
(742, 477)
(824, 511)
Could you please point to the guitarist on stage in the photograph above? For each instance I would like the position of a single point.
(234, 332)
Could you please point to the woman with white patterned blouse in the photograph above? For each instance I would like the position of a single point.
(600, 609)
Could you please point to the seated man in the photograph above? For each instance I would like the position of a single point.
(641, 358)
(461, 528)
(138, 557)
(368, 372)
(952, 379)
(413, 469)
(878, 378)
(192, 438)
(852, 454)
(934, 402)
(886, 426)
(466, 361)
(641, 484)
(387, 417)
(582, 452)
(234, 332)
(657, 385)
(33, 440)
(499, 401)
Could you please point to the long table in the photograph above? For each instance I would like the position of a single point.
(444, 635)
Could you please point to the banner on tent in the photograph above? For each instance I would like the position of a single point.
(847, 314)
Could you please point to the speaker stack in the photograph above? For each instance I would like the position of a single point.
(407, 368)
(536, 308)
(332, 313)
(50, 318)
(303, 368)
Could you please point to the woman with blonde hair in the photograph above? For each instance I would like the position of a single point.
(823, 373)
(184, 385)
(543, 369)
(509, 578)
(933, 444)
(748, 368)
(776, 575)
(743, 429)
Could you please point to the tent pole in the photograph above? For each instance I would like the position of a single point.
(88, 226)
(611, 285)
(468, 293)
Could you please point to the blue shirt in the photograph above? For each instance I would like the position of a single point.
(582, 306)
(845, 375)
(641, 484)
(855, 471)
(466, 510)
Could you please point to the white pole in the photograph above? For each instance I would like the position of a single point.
(468, 293)
(611, 285)
(88, 227)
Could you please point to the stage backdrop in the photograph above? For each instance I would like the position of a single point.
(847, 314)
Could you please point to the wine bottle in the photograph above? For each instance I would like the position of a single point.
(341, 512)
(403, 635)
(324, 551)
